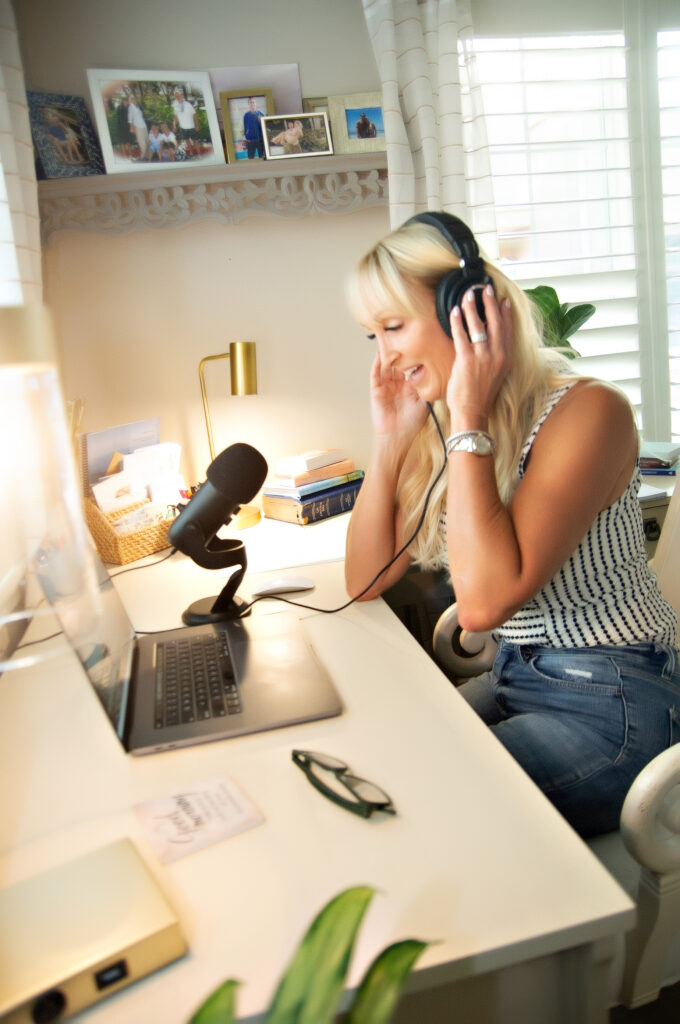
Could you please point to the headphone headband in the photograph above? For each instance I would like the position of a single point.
(455, 231)
(470, 274)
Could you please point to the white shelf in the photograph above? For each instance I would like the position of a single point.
(138, 200)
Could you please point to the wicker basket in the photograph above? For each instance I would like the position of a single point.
(121, 550)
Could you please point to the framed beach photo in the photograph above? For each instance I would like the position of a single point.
(146, 119)
(65, 142)
(357, 122)
(242, 113)
(296, 135)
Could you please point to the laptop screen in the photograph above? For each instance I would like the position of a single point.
(103, 638)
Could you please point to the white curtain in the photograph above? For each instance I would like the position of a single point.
(437, 153)
(20, 261)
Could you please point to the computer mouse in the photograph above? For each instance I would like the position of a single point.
(283, 585)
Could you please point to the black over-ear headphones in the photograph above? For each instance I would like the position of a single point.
(470, 273)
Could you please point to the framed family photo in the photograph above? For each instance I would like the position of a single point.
(242, 113)
(65, 143)
(296, 135)
(149, 118)
(357, 122)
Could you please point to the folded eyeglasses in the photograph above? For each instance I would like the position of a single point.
(334, 779)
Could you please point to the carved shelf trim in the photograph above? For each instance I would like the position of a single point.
(113, 204)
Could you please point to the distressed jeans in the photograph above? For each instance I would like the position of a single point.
(582, 722)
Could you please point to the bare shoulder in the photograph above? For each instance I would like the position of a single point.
(590, 434)
(594, 405)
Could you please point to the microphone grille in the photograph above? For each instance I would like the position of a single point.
(239, 471)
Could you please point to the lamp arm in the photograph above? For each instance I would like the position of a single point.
(204, 396)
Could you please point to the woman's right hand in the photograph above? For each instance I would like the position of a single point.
(398, 412)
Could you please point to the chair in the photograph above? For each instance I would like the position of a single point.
(644, 854)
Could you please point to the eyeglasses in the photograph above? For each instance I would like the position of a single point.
(334, 780)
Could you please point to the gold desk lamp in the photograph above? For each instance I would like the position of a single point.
(243, 371)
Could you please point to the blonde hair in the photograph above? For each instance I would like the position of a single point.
(399, 276)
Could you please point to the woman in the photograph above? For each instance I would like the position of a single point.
(535, 514)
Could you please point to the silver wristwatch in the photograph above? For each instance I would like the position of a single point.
(476, 441)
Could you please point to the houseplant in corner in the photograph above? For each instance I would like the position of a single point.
(311, 988)
(560, 319)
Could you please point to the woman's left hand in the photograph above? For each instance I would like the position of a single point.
(482, 358)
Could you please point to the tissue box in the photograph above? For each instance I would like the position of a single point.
(121, 550)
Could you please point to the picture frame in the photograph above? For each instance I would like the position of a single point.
(297, 135)
(132, 108)
(347, 115)
(282, 79)
(313, 104)
(242, 135)
(64, 138)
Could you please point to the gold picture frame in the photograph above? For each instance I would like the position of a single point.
(357, 122)
(235, 104)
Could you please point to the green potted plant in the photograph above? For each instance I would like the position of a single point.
(560, 319)
(310, 990)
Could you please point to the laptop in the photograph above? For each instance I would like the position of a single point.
(196, 683)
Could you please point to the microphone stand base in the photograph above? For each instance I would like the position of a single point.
(201, 612)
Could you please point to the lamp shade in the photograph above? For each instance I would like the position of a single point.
(243, 366)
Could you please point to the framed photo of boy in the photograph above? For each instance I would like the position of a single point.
(63, 137)
(149, 118)
(357, 122)
(296, 135)
(242, 113)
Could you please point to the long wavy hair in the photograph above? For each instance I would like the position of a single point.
(399, 276)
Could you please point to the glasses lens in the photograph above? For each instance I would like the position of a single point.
(325, 760)
(331, 781)
(367, 791)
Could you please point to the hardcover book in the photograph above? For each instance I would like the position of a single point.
(312, 509)
(276, 489)
(312, 475)
(308, 460)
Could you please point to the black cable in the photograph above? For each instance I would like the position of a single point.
(134, 568)
(332, 611)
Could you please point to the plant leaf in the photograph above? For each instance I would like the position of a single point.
(574, 319)
(545, 298)
(219, 1007)
(381, 987)
(310, 989)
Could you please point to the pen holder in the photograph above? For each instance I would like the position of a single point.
(117, 549)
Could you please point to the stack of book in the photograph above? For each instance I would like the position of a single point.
(311, 486)
(659, 458)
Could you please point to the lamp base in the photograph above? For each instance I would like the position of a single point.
(201, 612)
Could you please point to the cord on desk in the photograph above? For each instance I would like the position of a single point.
(134, 568)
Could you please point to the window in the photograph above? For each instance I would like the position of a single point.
(669, 108)
(575, 192)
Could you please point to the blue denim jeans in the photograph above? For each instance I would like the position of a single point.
(582, 722)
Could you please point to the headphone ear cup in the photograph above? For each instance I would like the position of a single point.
(450, 292)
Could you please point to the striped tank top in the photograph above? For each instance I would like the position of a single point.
(605, 593)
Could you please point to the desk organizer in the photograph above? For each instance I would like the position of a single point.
(121, 550)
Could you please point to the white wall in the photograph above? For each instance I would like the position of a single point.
(136, 312)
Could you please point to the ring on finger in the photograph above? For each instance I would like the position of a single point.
(478, 336)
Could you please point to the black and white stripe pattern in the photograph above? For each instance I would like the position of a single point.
(605, 593)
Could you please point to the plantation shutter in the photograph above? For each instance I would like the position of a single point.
(669, 106)
(556, 111)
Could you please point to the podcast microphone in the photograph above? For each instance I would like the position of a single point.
(233, 479)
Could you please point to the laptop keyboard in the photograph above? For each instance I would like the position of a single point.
(194, 680)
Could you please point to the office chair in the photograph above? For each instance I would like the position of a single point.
(644, 854)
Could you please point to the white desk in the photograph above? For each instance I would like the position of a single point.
(476, 858)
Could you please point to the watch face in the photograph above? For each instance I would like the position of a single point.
(481, 445)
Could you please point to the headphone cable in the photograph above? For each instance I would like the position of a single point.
(400, 552)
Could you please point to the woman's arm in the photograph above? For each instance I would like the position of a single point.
(375, 535)
(581, 461)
